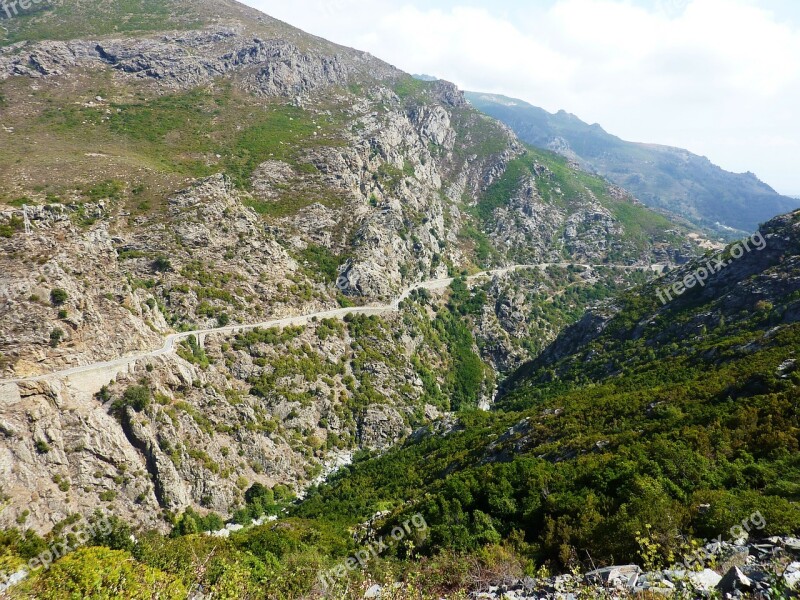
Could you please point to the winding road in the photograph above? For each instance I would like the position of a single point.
(173, 339)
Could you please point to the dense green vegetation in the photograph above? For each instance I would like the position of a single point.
(322, 261)
(580, 462)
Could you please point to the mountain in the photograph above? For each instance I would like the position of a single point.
(662, 177)
(257, 285)
(191, 170)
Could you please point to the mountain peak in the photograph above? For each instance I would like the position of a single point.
(662, 177)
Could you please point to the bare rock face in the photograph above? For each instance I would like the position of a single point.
(97, 304)
(170, 489)
(267, 408)
(268, 67)
(381, 427)
(61, 453)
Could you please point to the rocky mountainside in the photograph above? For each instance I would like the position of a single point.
(271, 308)
(200, 165)
(663, 177)
(756, 276)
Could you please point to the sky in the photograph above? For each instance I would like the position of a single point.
(718, 77)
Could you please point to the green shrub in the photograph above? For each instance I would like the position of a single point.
(13, 225)
(102, 574)
(162, 264)
(58, 296)
(137, 397)
(56, 335)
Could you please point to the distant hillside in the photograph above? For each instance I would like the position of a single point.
(660, 176)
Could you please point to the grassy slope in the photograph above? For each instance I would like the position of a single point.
(73, 19)
(154, 142)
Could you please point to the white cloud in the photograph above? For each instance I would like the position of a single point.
(720, 77)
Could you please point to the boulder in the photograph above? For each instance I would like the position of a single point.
(792, 575)
(734, 580)
(373, 592)
(616, 576)
(705, 580)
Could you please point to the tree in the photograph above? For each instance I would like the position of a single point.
(55, 337)
(138, 397)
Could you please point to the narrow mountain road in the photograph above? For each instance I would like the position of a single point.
(173, 339)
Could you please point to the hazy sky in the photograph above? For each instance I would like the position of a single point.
(719, 77)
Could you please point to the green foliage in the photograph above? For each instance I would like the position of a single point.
(58, 296)
(190, 522)
(465, 380)
(274, 335)
(615, 466)
(330, 327)
(137, 397)
(56, 335)
(281, 134)
(106, 190)
(260, 500)
(162, 264)
(322, 261)
(102, 574)
(110, 531)
(17, 547)
(12, 226)
(191, 351)
(407, 87)
(485, 253)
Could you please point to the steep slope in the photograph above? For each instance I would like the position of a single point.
(677, 420)
(645, 428)
(232, 170)
(667, 178)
